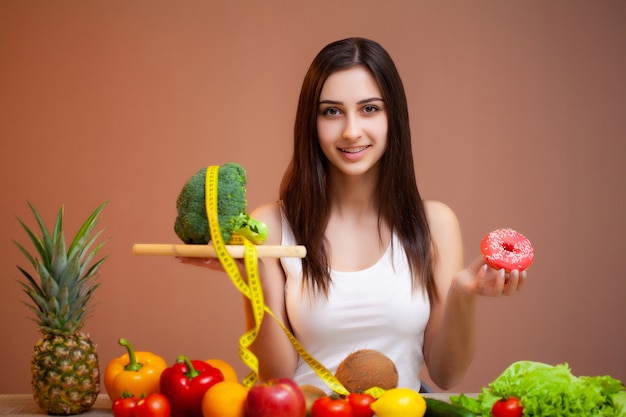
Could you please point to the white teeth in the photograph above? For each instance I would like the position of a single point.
(353, 150)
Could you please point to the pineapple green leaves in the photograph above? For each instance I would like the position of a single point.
(67, 276)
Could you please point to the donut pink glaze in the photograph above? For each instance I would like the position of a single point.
(508, 249)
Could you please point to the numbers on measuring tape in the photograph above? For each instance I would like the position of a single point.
(325, 375)
(246, 340)
(253, 290)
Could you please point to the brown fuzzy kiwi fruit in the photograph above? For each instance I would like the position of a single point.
(311, 393)
(367, 368)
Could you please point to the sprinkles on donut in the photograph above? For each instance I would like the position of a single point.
(508, 249)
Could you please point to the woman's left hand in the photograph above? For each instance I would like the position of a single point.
(480, 279)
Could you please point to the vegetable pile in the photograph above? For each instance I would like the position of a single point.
(140, 384)
(546, 390)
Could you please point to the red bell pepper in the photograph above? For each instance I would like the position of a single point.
(185, 384)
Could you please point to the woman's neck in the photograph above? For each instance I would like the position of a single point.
(357, 239)
(353, 195)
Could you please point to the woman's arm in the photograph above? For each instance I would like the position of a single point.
(449, 337)
(277, 357)
(449, 341)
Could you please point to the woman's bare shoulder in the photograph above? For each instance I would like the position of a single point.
(439, 214)
(442, 221)
(267, 212)
(446, 234)
(270, 214)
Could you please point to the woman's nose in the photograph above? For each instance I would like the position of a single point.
(352, 129)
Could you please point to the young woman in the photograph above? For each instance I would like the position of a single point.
(384, 269)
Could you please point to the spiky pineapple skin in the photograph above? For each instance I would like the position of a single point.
(65, 373)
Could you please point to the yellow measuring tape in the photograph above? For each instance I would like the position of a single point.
(253, 291)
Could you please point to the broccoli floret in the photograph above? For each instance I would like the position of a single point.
(192, 225)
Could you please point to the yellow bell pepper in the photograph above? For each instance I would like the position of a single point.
(136, 373)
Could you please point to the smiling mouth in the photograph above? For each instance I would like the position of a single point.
(354, 150)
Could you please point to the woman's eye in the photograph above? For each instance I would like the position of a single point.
(370, 108)
(330, 111)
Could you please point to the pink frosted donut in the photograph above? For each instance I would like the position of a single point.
(508, 249)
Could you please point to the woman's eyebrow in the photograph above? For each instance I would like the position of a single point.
(330, 102)
(366, 100)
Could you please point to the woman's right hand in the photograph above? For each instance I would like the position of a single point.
(214, 264)
(209, 263)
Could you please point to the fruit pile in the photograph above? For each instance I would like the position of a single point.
(140, 384)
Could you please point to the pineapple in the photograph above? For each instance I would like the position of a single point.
(65, 368)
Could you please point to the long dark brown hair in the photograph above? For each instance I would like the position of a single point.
(304, 192)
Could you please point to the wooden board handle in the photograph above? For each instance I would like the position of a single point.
(208, 251)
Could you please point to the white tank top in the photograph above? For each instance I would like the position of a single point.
(369, 309)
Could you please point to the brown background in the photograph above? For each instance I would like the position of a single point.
(518, 115)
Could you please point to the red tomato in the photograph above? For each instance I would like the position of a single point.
(360, 404)
(154, 405)
(330, 406)
(124, 407)
(507, 407)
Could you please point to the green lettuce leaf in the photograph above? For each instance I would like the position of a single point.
(546, 390)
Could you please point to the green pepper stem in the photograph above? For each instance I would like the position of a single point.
(191, 371)
(133, 365)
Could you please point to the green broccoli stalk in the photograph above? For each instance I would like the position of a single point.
(192, 225)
